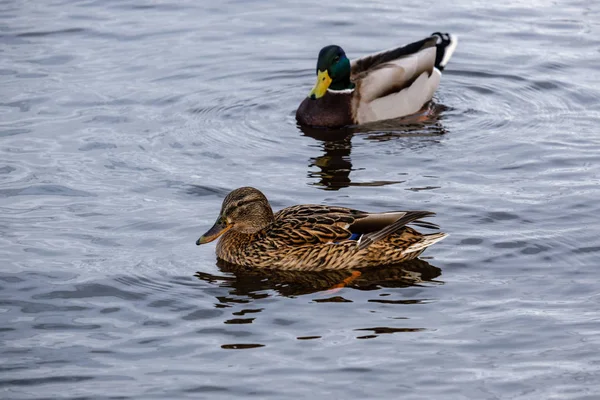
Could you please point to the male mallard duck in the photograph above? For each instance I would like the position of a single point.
(313, 237)
(390, 84)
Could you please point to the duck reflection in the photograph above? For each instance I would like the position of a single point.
(252, 283)
(335, 164)
(246, 292)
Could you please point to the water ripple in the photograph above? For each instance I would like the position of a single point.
(123, 124)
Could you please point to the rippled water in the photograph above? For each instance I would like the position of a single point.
(124, 123)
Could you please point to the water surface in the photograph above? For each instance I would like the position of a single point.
(123, 124)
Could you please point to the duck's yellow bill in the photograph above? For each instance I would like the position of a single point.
(323, 82)
(217, 230)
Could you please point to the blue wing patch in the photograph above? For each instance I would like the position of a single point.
(355, 236)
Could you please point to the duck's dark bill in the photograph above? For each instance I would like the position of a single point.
(323, 82)
(217, 230)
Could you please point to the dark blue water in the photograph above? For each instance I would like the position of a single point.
(123, 124)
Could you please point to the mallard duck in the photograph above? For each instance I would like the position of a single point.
(314, 237)
(391, 84)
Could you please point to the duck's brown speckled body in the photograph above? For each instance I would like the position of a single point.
(314, 237)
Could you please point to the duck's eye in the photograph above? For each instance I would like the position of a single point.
(336, 59)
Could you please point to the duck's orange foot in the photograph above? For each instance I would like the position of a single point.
(336, 288)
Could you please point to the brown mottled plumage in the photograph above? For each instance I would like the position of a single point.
(313, 237)
(390, 84)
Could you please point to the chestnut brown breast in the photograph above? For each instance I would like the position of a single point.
(332, 110)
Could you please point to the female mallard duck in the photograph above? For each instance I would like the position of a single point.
(313, 237)
(390, 84)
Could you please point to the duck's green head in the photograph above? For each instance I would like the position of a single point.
(333, 71)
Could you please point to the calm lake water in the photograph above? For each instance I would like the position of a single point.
(123, 124)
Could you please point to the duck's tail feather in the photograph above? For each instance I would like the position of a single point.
(446, 44)
(427, 241)
(425, 224)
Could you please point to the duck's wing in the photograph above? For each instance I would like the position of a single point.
(391, 71)
(408, 216)
(371, 61)
(314, 224)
